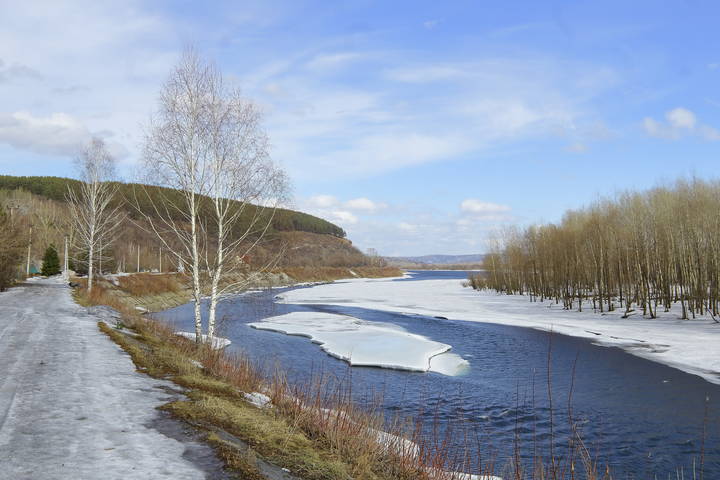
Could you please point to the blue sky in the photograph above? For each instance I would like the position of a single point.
(420, 127)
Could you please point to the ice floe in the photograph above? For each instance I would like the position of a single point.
(363, 343)
(690, 345)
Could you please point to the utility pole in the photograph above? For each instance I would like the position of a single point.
(28, 253)
(138, 259)
(66, 264)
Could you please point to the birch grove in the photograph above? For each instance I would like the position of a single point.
(94, 217)
(639, 252)
(206, 142)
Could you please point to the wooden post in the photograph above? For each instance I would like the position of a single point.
(28, 252)
(66, 264)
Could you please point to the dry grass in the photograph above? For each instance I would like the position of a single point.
(141, 284)
(316, 430)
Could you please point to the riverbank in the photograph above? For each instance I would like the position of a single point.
(260, 423)
(154, 292)
(689, 345)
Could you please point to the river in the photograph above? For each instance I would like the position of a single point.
(640, 417)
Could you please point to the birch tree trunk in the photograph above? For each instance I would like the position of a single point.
(94, 217)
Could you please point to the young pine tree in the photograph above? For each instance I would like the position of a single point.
(51, 262)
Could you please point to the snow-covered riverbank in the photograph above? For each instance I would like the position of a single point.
(690, 345)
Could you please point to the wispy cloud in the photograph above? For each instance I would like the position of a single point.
(17, 71)
(365, 205)
(398, 112)
(679, 122)
(473, 205)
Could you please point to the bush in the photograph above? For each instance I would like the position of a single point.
(51, 262)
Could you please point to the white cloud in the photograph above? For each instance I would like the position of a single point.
(709, 133)
(322, 201)
(331, 208)
(431, 24)
(106, 87)
(364, 204)
(343, 217)
(681, 118)
(472, 205)
(55, 134)
(390, 117)
(679, 123)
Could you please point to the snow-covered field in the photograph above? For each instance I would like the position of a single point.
(362, 343)
(690, 345)
(72, 405)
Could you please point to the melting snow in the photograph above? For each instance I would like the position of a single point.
(689, 345)
(363, 343)
(217, 342)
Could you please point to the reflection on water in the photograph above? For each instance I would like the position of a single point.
(646, 418)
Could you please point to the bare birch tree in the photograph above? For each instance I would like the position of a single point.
(94, 218)
(242, 176)
(175, 156)
(207, 143)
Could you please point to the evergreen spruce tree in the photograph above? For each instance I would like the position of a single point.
(51, 262)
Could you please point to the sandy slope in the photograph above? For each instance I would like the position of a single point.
(72, 405)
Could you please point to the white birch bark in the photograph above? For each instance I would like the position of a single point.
(94, 217)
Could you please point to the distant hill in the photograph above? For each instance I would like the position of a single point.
(470, 259)
(295, 239)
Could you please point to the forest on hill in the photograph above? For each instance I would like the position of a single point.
(56, 188)
(643, 251)
(36, 215)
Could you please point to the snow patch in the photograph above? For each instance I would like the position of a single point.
(370, 344)
(260, 400)
(217, 342)
(689, 345)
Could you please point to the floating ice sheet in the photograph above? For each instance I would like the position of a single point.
(363, 343)
(689, 345)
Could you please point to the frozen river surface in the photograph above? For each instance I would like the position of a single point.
(642, 416)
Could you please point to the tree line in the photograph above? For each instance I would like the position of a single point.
(56, 188)
(636, 252)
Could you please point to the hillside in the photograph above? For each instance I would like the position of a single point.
(55, 188)
(295, 239)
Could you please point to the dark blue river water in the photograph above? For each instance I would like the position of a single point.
(643, 419)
